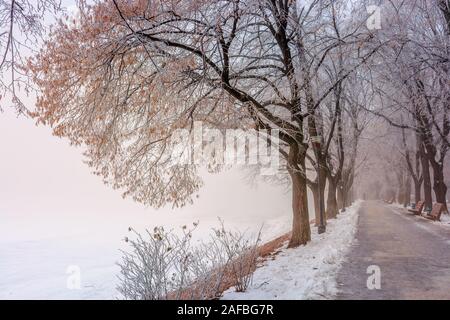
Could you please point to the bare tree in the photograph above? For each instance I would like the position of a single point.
(21, 29)
(413, 81)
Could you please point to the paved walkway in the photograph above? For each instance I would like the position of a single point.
(413, 255)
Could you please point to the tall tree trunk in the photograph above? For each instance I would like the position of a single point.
(426, 182)
(301, 230)
(347, 190)
(319, 199)
(351, 199)
(407, 199)
(332, 206)
(417, 187)
(418, 175)
(347, 197)
(439, 186)
(315, 192)
(323, 180)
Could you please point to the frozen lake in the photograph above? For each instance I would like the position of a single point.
(38, 264)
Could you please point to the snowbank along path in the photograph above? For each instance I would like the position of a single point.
(306, 272)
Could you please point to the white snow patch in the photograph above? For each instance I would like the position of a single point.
(35, 254)
(307, 272)
(397, 205)
(445, 219)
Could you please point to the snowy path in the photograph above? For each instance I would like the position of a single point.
(413, 255)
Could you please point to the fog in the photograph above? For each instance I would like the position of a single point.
(55, 213)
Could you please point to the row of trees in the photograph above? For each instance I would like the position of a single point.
(123, 76)
(414, 97)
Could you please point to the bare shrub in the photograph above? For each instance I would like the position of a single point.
(242, 254)
(165, 265)
(157, 264)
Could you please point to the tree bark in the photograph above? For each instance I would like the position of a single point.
(417, 187)
(439, 186)
(414, 169)
(301, 230)
(407, 199)
(319, 201)
(417, 175)
(315, 192)
(332, 206)
(347, 197)
(426, 182)
(430, 150)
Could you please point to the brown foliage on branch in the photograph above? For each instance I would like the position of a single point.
(123, 76)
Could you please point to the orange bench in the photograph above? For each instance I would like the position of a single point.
(436, 212)
(418, 209)
(390, 201)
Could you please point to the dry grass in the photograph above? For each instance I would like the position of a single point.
(265, 251)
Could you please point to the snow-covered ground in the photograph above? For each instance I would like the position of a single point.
(306, 272)
(445, 219)
(39, 256)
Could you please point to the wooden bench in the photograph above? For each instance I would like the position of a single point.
(418, 208)
(390, 201)
(435, 213)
